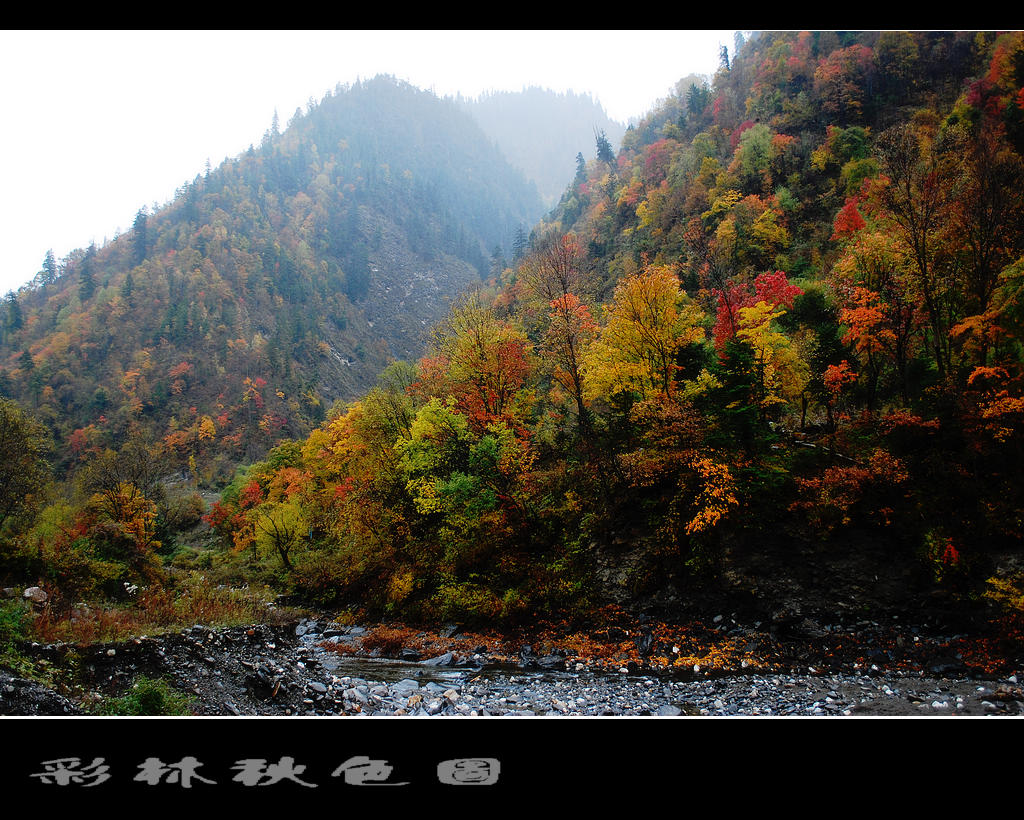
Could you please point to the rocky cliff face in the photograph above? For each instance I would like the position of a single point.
(408, 292)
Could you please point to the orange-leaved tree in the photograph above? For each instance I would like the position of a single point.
(482, 361)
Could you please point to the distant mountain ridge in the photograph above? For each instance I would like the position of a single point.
(542, 131)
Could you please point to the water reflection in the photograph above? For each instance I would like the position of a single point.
(389, 670)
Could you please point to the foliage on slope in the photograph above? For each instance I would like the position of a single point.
(788, 308)
(271, 286)
(789, 301)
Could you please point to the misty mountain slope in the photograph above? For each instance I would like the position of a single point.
(542, 131)
(271, 286)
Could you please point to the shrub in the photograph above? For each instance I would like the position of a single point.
(149, 697)
(184, 511)
(13, 625)
(942, 556)
(1008, 595)
(389, 641)
(465, 603)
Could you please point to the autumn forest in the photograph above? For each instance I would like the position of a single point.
(360, 368)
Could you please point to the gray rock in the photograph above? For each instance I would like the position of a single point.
(36, 595)
(946, 666)
(447, 659)
(809, 629)
(19, 696)
(356, 693)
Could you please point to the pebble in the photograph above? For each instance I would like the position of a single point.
(300, 677)
(465, 693)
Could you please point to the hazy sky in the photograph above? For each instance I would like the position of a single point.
(102, 123)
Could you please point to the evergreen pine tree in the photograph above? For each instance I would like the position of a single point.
(13, 312)
(49, 268)
(581, 169)
(140, 239)
(86, 274)
(521, 244)
(604, 148)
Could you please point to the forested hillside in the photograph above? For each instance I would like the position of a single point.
(786, 310)
(270, 287)
(785, 317)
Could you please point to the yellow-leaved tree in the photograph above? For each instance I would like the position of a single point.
(649, 321)
(781, 373)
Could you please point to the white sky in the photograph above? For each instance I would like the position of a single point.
(102, 123)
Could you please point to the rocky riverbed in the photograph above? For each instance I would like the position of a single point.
(315, 667)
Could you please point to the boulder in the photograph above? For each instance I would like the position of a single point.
(447, 659)
(36, 595)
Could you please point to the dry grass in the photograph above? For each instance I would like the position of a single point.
(155, 610)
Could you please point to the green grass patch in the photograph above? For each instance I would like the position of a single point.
(148, 697)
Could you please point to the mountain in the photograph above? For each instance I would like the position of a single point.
(271, 286)
(542, 132)
(774, 343)
(767, 359)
